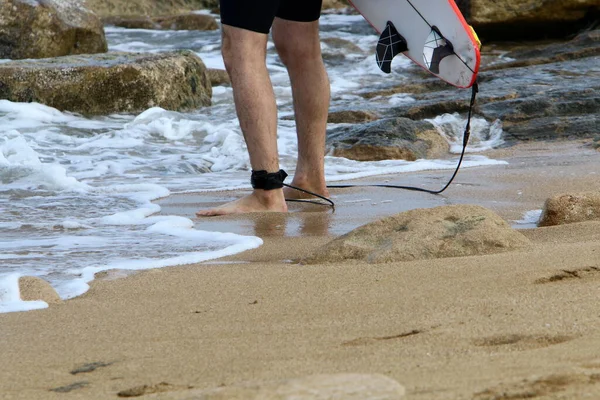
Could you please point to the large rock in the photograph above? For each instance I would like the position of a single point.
(316, 387)
(387, 139)
(32, 289)
(49, 28)
(570, 208)
(109, 83)
(448, 231)
(138, 8)
(186, 22)
(528, 18)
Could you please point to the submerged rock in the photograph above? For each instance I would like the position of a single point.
(32, 289)
(315, 387)
(570, 208)
(190, 22)
(387, 139)
(448, 231)
(109, 83)
(50, 28)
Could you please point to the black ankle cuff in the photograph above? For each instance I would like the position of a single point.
(268, 181)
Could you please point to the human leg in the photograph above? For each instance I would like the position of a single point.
(298, 46)
(244, 54)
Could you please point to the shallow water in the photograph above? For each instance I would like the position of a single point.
(76, 195)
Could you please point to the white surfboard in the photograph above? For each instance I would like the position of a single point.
(433, 33)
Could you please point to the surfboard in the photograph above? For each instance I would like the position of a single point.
(433, 33)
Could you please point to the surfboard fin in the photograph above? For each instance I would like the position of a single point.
(436, 49)
(390, 44)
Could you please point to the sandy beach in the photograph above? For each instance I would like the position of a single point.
(515, 325)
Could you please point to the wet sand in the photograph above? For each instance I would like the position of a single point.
(523, 324)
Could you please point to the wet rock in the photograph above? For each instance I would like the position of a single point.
(51, 28)
(351, 117)
(387, 139)
(32, 289)
(547, 92)
(218, 77)
(109, 83)
(316, 387)
(448, 231)
(507, 19)
(190, 22)
(570, 208)
(142, 8)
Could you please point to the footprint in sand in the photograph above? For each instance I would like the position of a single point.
(568, 275)
(540, 388)
(370, 340)
(518, 342)
(149, 389)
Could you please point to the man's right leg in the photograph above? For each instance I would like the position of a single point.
(299, 48)
(244, 53)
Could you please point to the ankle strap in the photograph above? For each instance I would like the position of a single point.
(268, 181)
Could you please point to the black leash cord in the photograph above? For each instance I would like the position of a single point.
(466, 135)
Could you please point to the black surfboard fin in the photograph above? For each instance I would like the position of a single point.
(441, 47)
(390, 44)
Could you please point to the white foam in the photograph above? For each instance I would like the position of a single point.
(529, 220)
(484, 136)
(10, 296)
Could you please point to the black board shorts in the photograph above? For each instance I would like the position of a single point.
(258, 15)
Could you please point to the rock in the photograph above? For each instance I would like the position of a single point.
(547, 93)
(507, 19)
(315, 387)
(334, 4)
(351, 117)
(570, 208)
(142, 8)
(219, 77)
(447, 231)
(109, 83)
(387, 139)
(50, 28)
(32, 289)
(190, 22)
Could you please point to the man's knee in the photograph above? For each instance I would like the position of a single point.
(297, 49)
(240, 46)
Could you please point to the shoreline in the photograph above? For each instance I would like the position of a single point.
(486, 325)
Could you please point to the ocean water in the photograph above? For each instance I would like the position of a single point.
(76, 193)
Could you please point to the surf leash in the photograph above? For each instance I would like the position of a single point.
(466, 135)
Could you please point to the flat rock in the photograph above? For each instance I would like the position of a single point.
(447, 231)
(570, 208)
(32, 289)
(187, 22)
(49, 28)
(387, 139)
(316, 387)
(102, 84)
(351, 117)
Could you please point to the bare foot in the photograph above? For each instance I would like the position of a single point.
(293, 194)
(258, 201)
